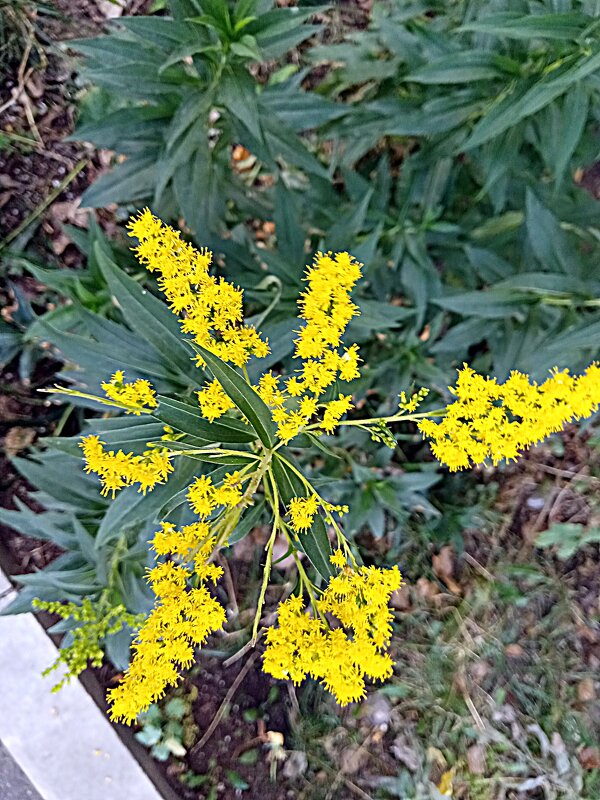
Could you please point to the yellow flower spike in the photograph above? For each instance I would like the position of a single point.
(119, 469)
(138, 395)
(204, 497)
(334, 411)
(180, 621)
(497, 421)
(212, 307)
(200, 496)
(169, 540)
(342, 658)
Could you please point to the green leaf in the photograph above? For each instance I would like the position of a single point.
(187, 418)
(126, 433)
(148, 316)
(144, 125)
(288, 224)
(62, 477)
(131, 181)
(491, 303)
(131, 507)
(298, 109)
(247, 47)
(236, 781)
(548, 240)
(547, 26)
(176, 708)
(237, 93)
(528, 99)
(193, 450)
(461, 67)
(315, 543)
(281, 29)
(200, 190)
(96, 360)
(149, 735)
(242, 395)
(249, 521)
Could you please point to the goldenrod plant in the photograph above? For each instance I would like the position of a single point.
(337, 626)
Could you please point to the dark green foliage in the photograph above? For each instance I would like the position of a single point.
(438, 148)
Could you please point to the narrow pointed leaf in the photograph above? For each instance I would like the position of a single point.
(243, 395)
(187, 418)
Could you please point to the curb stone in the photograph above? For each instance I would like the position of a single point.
(64, 745)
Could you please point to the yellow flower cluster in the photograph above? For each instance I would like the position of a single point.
(213, 401)
(169, 540)
(302, 512)
(344, 656)
(212, 307)
(327, 309)
(182, 619)
(137, 395)
(496, 421)
(204, 497)
(120, 469)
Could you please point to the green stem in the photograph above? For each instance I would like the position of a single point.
(342, 541)
(233, 518)
(268, 564)
(395, 418)
(103, 401)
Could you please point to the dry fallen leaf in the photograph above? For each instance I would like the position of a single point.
(589, 758)
(559, 751)
(18, 439)
(427, 590)
(109, 8)
(405, 754)
(514, 650)
(443, 566)
(353, 759)
(586, 690)
(400, 599)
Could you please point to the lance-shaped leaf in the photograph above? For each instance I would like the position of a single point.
(314, 542)
(243, 395)
(147, 315)
(187, 418)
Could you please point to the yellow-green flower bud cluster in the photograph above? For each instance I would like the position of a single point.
(97, 621)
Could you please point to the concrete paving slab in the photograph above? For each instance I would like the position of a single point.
(14, 784)
(62, 742)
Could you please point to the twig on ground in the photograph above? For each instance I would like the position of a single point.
(224, 705)
(250, 645)
(39, 210)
